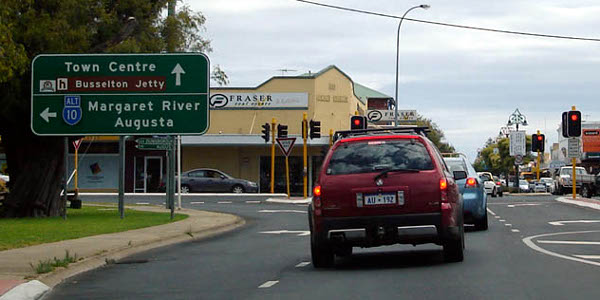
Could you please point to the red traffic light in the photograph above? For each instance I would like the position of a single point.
(539, 137)
(356, 122)
(574, 117)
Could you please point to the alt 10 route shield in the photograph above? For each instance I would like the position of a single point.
(120, 94)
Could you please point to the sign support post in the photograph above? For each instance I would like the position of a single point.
(172, 175)
(66, 179)
(273, 128)
(179, 172)
(304, 154)
(286, 145)
(122, 176)
(287, 176)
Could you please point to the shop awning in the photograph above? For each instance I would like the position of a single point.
(242, 140)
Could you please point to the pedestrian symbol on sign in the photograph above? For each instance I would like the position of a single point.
(72, 110)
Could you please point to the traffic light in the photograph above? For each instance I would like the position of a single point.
(315, 129)
(358, 122)
(565, 118)
(266, 131)
(537, 143)
(282, 131)
(574, 123)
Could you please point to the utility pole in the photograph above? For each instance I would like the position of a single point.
(304, 154)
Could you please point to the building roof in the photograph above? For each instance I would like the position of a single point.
(365, 93)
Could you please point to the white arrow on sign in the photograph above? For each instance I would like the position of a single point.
(561, 223)
(298, 232)
(46, 114)
(178, 70)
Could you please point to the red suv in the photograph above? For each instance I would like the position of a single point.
(381, 187)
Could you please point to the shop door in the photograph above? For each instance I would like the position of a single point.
(153, 173)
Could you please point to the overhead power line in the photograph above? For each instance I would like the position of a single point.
(453, 25)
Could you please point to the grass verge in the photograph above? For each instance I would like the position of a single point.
(87, 221)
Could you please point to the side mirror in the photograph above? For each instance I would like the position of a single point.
(458, 175)
(223, 177)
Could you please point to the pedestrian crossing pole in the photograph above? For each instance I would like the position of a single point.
(273, 128)
(304, 156)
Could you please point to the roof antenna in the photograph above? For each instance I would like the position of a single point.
(283, 71)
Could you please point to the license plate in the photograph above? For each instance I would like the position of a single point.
(378, 199)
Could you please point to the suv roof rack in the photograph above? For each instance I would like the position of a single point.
(452, 154)
(370, 132)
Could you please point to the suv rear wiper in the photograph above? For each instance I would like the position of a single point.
(395, 170)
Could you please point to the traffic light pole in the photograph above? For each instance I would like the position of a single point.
(304, 156)
(330, 137)
(574, 163)
(538, 158)
(273, 155)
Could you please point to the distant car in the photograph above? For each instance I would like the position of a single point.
(549, 182)
(524, 186)
(499, 186)
(214, 181)
(489, 183)
(473, 192)
(540, 187)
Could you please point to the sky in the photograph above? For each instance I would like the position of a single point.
(468, 82)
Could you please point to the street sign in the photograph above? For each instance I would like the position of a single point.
(377, 115)
(517, 143)
(154, 146)
(120, 94)
(518, 159)
(573, 148)
(286, 145)
(591, 140)
(77, 143)
(152, 141)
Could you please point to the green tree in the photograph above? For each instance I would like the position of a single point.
(436, 135)
(28, 28)
(499, 161)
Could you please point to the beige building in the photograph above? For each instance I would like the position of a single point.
(233, 143)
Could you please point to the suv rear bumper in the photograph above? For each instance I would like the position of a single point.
(372, 231)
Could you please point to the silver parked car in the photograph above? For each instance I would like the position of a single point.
(214, 181)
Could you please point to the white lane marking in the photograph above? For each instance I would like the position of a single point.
(491, 212)
(268, 284)
(561, 223)
(524, 204)
(569, 242)
(283, 210)
(142, 203)
(197, 202)
(303, 264)
(515, 230)
(253, 202)
(502, 220)
(497, 217)
(224, 202)
(528, 241)
(299, 232)
(588, 256)
(508, 225)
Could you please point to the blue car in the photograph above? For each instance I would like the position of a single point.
(473, 192)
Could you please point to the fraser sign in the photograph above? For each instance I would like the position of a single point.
(120, 94)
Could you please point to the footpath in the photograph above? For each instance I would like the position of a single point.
(18, 280)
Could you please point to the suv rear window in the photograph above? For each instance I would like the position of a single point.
(379, 155)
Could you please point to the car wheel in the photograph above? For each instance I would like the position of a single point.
(237, 189)
(322, 255)
(482, 224)
(453, 249)
(586, 192)
(500, 193)
(494, 193)
(185, 189)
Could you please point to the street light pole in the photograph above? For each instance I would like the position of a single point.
(423, 6)
(517, 118)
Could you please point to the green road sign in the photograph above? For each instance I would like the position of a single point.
(154, 146)
(120, 94)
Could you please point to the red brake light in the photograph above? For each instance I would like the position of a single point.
(471, 182)
(317, 191)
(443, 184)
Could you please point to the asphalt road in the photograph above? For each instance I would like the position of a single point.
(535, 248)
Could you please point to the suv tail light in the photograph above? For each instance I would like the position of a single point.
(471, 182)
(317, 200)
(444, 190)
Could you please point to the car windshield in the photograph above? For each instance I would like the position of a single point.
(523, 182)
(380, 155)
(455, 164)
(485, 177)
